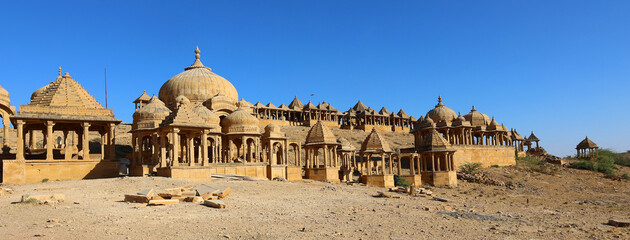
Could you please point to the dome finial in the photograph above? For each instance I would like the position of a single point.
(473, 109)
(60, 71)
(197, 56)
(439, 104)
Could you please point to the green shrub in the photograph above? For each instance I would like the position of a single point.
(625, 176)
(495, 166)
(470, 168)
(529, 162)
(583, 164)
(45, 180)
(400, 182)
(604, 165)
(618, 158)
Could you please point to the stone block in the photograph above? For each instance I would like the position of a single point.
(195, 199)
(147, 192)
(206, 191)
(618, 223)
(189, 193)
(163, 202)
(175, 192)
(224, 193)
(157, 197)
(214, 203)
(136, 198)
(181, 199)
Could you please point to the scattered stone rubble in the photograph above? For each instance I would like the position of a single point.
(483, 178)
(43, 199)
(618, 223)
(5, 191)
(203, 194)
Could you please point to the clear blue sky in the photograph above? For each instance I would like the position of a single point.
(559, 68)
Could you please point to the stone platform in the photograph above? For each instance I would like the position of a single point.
(442, 178)
(33, 171)
(328, 174)
(378, 180)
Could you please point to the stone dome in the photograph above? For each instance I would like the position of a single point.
(272, 127)
(154, 110)
(39, 91)
(240, 121)
(441, 112)
(477, 118)
(272, 130)
(198, 83)
(374, 142)
(320, 134)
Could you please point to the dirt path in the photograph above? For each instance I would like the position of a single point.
(572, 204)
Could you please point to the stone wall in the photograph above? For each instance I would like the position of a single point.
(33, 171)
(486, 155)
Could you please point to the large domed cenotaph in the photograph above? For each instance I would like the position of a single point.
(197, 127)
(201, 86)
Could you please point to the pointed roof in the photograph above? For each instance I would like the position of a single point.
(434, 141)
(65, 99)
(384, 111)
(270, 105)
(310, 106)
(320, 134)
(259, 105)
(208, 115)
(494, 126)
(143, 98)
(516, 135)
(586, 143)
(185, 116)
(402, 114)
(296, 104)
(533, 137)
(374, 142)
(322, 106)
(359, 107)
(283, 107)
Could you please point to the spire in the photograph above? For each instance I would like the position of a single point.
(473, 109)
(60, 71)
(197, 63)
(439, 102)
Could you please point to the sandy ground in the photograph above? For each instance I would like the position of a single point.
(571, 204)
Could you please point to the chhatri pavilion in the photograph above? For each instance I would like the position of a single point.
(65, 107)
(196, 127)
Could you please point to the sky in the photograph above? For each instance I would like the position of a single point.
(558, 68)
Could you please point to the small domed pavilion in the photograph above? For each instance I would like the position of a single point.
(587, 149)
(321, 159)
(374, 173)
